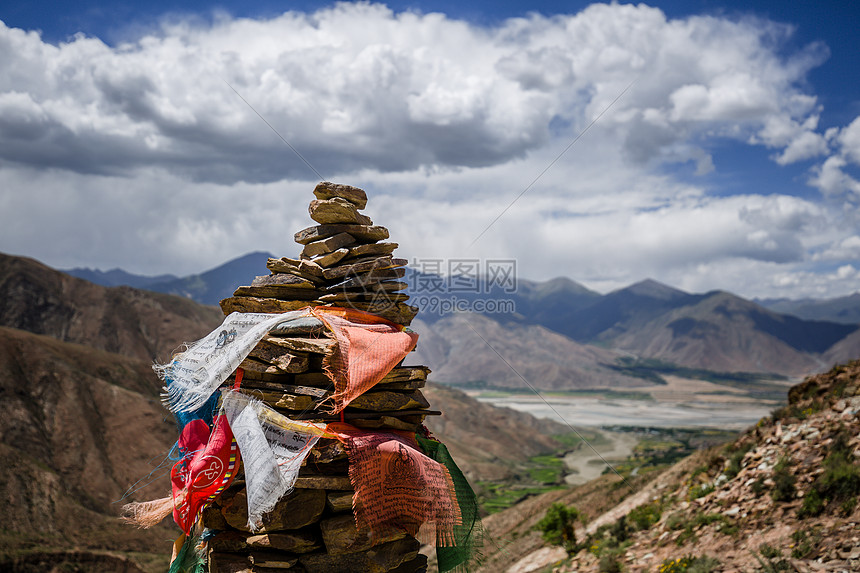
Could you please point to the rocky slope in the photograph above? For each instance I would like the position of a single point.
(782, 497)
(82, 417)
(79, 427)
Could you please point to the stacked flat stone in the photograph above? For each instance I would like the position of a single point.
(342, 263)
(312, 529)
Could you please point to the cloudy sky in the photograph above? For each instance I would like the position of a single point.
(698, 143)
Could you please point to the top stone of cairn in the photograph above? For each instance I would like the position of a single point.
(327, 190)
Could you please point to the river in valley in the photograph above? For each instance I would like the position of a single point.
(582, 411)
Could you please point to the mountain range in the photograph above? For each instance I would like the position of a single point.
(207, 288)
(580, 334)
(845, 309)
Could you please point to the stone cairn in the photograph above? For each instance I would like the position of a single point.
(312, 529)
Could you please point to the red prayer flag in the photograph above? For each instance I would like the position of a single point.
(207, 467)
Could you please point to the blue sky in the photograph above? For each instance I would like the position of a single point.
(730, 163)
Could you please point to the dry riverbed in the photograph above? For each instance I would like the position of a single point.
(680, 403)
(590, 460)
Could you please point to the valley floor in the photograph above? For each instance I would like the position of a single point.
(680, 403)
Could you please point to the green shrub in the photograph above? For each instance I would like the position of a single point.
(619, 530)
(610, 563)
(609, 539)
(805, 542)
(841, 477)
(700, 490)
(779, 413)
(699, 470)
(557, 525)
(771, 559)
(812, 504)
(783, 489)
(735, 460)
(644, 516)
(690, 564)
(675, 521)
(726, 526)
(840, 481)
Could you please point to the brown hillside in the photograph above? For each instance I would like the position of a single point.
(456, 349)
(719, 333)
(123, 320)
(844, 350)
(79, 427)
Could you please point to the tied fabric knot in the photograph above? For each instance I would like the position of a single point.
(398, 488)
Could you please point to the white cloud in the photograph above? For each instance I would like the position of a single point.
(849, 139)
(357, 86)
(798, 141)
(770, 280)
(834, 177)
(141, 156)
(830, 177)
(806, 145)
(846, 249)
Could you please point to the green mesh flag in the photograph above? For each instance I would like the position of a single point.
(469, 536)
(188, 560)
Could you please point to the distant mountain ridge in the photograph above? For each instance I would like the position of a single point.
(462, 349)
(117, 277)
(715, 330)
(219, 283)
(209, 287)
(845, 309)
(720, 331)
